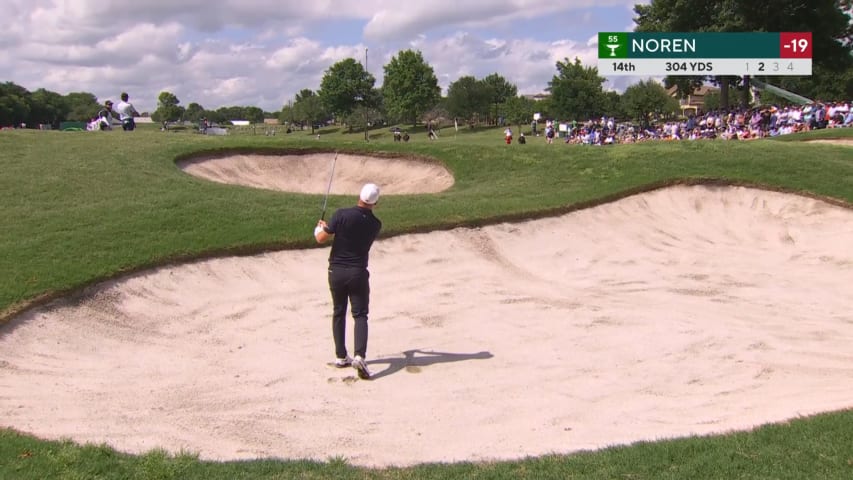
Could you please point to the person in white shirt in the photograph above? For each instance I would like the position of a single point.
(796, 115)
(126, 112)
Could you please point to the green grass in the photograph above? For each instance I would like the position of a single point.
(80, 207)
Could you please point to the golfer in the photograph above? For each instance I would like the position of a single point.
(352, 231)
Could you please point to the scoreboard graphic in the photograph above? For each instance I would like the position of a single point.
(705, 53)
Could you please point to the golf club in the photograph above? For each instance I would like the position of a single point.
(329, 187)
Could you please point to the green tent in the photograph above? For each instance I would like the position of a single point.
(758, 84)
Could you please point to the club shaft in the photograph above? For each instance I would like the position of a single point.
(329, 187)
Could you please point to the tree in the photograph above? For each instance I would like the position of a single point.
(18, 105)
(646, 98)
(436, 113)
(214, 116)
(82, 106)
(366, 113)
(358, 118)
(229, 113)
(467, 98)
(167, 108)
(308, 108)
(377, 108)
(344, 86)
(253, 114)
(828, 20)
(410, 87)
(689, 16)
(824, 83)
(576, 91)
(47, 107)
(194, 112)
(613, 105)
(500, 90)
(14, 104)
(519, 110)
(543, 107)
(711, 102)
(285, 116)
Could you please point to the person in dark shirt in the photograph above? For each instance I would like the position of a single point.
(106, 115)
(352, 231)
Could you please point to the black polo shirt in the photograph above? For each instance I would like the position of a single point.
(355, 229)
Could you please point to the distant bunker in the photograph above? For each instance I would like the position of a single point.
(846, 142)
(309, 172)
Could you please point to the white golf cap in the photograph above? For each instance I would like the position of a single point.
(369, 193)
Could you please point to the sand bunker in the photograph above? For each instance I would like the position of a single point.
(848, 142)
(688, 310)
(310, 173)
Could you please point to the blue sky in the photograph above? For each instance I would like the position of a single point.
(261, 52)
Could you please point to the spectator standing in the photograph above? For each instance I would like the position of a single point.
(126, 113)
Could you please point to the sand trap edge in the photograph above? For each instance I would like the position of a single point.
(47, 297)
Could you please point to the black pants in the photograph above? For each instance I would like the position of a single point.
(349, 284)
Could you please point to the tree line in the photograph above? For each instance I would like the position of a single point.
(20, 106)
(829, 21)
(170, 110)
(44, 107)
(410, 93)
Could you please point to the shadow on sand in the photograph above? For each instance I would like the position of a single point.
(413, 360)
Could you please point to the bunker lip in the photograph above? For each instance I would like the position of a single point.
(681, 311)
(307, 171)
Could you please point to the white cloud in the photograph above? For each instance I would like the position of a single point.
(236, 87)
(406, 22)
(529, 64)
(122, 49)
(296, 55)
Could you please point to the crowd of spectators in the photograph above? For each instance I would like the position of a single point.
(734, 124)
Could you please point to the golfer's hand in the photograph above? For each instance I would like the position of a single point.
(320, 232)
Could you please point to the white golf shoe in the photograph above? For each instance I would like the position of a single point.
(343, 362)
(359, 364)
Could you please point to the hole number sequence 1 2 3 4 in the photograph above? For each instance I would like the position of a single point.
(769, 66)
